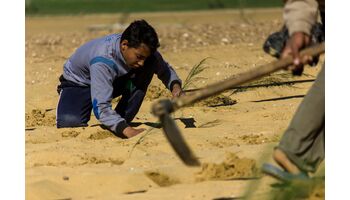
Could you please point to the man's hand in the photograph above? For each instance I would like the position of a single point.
(176, 91)
(293, 46)
(131, 132)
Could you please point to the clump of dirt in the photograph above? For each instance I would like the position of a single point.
(49, 164)
(258, 139)
(160, 179)
(72, 134)
(232, 167)
(156, 92)
(272, 79)
(100, 135)
(267, 81)
(219, 100)
(39, 117)
(96, 160)
(225, 142)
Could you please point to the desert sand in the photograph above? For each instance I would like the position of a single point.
(232, 134)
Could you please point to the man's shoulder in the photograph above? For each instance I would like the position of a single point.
(106, 53)
(112, 37)
(104, 60)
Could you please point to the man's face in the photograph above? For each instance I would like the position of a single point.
(134, 57)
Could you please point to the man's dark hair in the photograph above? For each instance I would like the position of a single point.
(139, 32)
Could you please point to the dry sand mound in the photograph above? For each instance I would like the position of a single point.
(219, 100)
(39, 117)
(155, 92)
(232, 167)
(70, 133)
(258, 139)
(100, 135)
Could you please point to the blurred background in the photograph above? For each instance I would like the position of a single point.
(60, 7)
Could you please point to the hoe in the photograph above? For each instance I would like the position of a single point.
(163, 108)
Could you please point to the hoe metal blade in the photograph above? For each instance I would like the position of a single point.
(176, 140)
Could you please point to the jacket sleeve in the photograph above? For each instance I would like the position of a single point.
(102, 95)
(165, 72)
(300, 15)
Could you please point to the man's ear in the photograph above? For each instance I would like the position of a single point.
(124, 44)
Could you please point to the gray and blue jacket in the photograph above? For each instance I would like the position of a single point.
(96, 64)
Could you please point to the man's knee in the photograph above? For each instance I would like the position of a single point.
(69, 120)
(74, 107)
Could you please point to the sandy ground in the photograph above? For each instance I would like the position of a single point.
(231, 134)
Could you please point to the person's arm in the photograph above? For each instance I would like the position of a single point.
(101, 97)
(299, 17)
(168, 75)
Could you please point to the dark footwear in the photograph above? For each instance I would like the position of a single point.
(283, 175)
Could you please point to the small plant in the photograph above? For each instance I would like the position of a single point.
(192, 75)
(147, 132)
